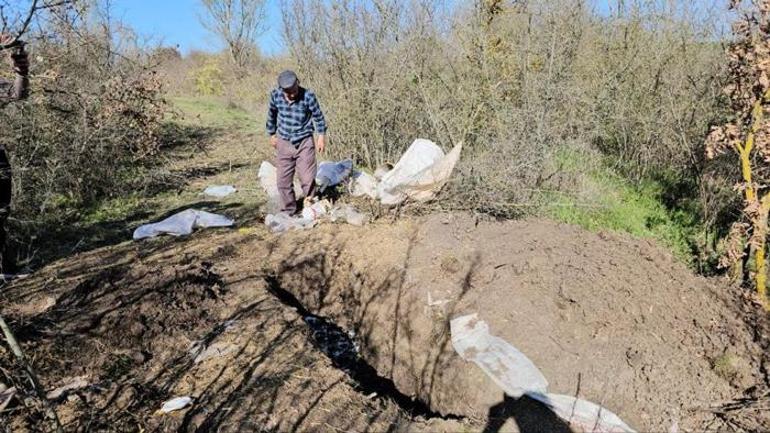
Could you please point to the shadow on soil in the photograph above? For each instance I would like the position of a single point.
(135, 321)
(530, 416)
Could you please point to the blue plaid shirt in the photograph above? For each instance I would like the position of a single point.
(292, 120)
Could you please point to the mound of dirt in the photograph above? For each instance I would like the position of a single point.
(346, 328)
(614, 320)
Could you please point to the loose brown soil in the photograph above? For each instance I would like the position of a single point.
(343, 328)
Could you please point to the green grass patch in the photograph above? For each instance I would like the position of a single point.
(212, 111)
(606, 201)
(112, 209)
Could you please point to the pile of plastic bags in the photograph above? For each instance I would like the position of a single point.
(420, 173)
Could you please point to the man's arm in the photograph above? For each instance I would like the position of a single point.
(272, 116)
(272, 120)
(320, 122)
(19, 88)
(318, 115)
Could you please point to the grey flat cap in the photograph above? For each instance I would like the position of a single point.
(287, 79)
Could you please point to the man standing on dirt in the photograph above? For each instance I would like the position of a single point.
(291, 113)
(10, 91)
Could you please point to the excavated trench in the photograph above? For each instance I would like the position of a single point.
(340, 347)
(638, 337)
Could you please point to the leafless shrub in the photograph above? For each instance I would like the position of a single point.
(515, 82)
(93, 119)
(237, 23)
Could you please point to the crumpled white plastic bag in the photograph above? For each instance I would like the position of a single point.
(363, 183)
(175, 404)
(420, 173)
(182, 223)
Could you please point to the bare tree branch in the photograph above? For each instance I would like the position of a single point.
(238, 23)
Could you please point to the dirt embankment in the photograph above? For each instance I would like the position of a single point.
(347, 328)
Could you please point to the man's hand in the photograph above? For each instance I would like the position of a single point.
(18, 56)
(320, 145)
(274, 141)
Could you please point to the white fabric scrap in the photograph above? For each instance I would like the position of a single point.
(182, 223)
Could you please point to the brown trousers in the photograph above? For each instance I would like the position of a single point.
(291, 159)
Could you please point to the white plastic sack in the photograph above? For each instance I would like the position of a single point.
(175, 404)
(219, 191)
(331, 173)
(510, 369)
(581, 414)
(363, 184)
(182, 223)
(421, 172)
(267, 178)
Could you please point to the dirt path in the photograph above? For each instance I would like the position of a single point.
(344, 328)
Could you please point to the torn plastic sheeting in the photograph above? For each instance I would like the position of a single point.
(510, 369)
(215, 350)
(282, 222)
(582, 414)
(331, 173)
(219, 190)
(267, 178)
(322, 210)
(182, 223)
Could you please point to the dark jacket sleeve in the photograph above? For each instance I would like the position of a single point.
(272, 115)
(18, 88)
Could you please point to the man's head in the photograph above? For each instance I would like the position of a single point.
(289, 83)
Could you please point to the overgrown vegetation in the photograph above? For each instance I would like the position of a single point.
(520, 83)
(595, 117)
(746, 134)
(92, 123)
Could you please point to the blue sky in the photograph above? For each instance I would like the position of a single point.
(176, 22)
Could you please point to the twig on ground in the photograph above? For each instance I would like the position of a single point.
(16, 349)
